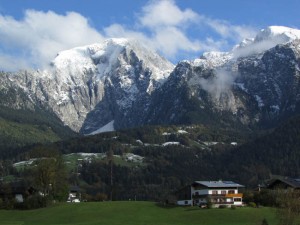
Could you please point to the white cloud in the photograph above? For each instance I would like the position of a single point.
(165, 13)
(39, 36)
(163, 26)
(261, 44)
(118, 31)
(215, 85)
(34, 40)
(11, 63)
(171, 40)
(166, 27)
(167, 24)
(227, 30)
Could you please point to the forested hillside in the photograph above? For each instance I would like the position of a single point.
(275, 153)
(171, 157)
(24, 120)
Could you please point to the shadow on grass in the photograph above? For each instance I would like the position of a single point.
(172, 206)
(191, 208)
(165, 206)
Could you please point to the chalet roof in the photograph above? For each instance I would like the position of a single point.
(292, 182)
(219, 184)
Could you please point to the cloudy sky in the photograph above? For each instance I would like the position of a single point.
(32, 32)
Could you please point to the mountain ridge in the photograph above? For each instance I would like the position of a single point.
(124, 84)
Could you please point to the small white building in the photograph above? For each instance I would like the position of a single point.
(216, 192)
(74, 194)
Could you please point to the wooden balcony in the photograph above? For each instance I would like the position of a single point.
(238, 195)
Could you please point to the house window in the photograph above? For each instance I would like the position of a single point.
(231, 192)
(228, 200)
(237, 199)
(196, 193)
(223, 192)
(214, 192)
(186, 202)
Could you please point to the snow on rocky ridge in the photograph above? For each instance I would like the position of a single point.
(108, 85)
(265, 39)
(252, 68)
(288, 34)
(102, 60)
(79, 79)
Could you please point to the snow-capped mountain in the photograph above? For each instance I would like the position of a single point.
(120, 83)
(255, 83)
(266, 39)
(91, 86)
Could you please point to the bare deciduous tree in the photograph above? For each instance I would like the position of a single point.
(288, 202)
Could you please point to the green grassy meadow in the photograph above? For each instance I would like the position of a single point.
(135, 213)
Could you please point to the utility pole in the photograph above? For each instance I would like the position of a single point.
(111, 179)
(110, 157)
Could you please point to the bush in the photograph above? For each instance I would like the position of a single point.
(252, 204)
(265, 198)
(100, 197)
(209, 205)
(222, 206)
(7, 203)
(33, 202)
(264, 222)
(233, 207)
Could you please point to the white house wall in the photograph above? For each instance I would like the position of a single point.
(238, 203)
(219, 192)
(19, 198)
(185, 202)
(210, 191)
(200, 192)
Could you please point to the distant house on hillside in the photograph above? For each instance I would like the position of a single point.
(284, 183)
(216, 192)
(74, 194)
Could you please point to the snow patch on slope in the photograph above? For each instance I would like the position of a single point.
(170, 143)
(106, 128)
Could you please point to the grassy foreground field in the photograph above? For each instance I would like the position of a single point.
(135, 213)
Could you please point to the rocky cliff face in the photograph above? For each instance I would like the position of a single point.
(273, 80)
(88, 87)
(120, 83)
(257, 83)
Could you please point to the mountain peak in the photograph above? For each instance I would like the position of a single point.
(103, 56)
(286, 34)
(118, 41)
(266, 39)
(83, 79)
